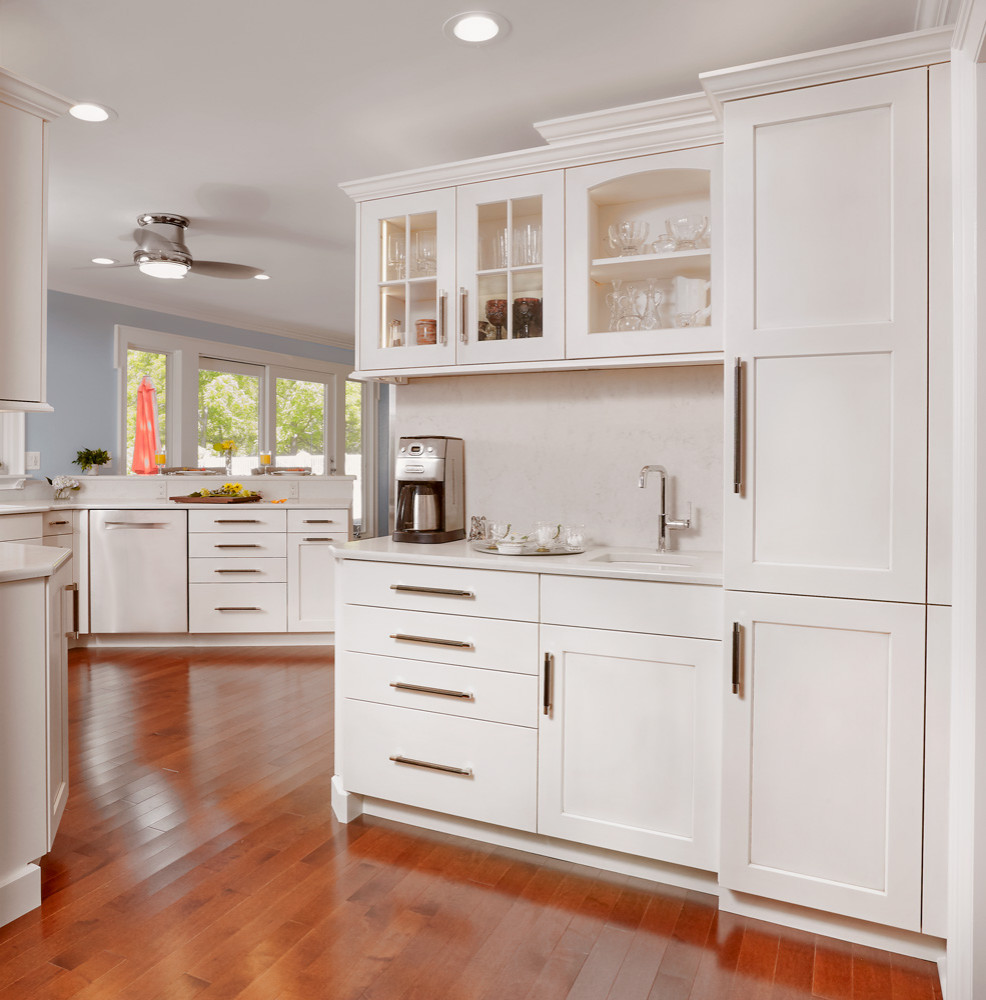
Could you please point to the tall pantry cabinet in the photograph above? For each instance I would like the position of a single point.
(826, 341)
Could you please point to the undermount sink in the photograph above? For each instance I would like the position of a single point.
(655, 560)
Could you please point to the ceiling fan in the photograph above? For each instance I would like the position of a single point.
(161, 251)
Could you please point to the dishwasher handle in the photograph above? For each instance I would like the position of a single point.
(138, 524)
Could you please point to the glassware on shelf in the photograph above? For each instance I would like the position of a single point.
(687, 230)
(634, 306)
(690, 299)
(665, 243)
(527, 318)
(527, 245)
(546, 534)
(427, 331)
(627, 238)
(396, 257)
(395, 335)
(425, 251)
(493, 251)
(496, 313)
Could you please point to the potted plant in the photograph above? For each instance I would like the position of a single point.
(89, 459)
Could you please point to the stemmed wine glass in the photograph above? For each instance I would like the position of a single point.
(496, 313)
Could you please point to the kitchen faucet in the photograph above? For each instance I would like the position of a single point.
(664, 523)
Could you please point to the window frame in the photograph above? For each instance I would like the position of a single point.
(186, 355)
(13, 455)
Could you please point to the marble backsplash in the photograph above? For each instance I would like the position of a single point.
(569, 446)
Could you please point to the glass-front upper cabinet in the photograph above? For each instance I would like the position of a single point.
(511, 247)
(407, 275)
(642, 265)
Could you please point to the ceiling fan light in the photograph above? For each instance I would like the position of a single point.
(162, 268)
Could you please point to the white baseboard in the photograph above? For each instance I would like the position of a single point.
(20, 893)
(209, 639)
(345, 805)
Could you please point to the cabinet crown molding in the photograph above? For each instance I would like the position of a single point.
(881, 55)
(29, 97)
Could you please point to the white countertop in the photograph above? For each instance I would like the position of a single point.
(156, 504)
(703, 568)
(26, 562)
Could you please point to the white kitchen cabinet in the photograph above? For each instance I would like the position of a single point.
(311, 580)
(25, 111)
(658, 301)
(823, 753)
(510, 238)
(62, 614)
(407, 281)
(826, 227)
(629, 743)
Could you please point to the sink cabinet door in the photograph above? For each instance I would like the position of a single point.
(629, 747)
(826, 222)
(823, 756)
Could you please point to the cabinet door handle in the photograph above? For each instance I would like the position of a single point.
(236, 571)
(153, 525)
(434, 642)
(424, 689)
(738, 426)
(236, 520)
(447, 768)
(464, 315)
(442, 322)
(52, 524)
(237, 609)
(549, 662)
(440, 591)
(737, 656)
(245, 545)
(318, 539)
(321, 520)
(74, 633)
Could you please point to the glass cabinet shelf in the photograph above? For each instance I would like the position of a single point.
(688, 263)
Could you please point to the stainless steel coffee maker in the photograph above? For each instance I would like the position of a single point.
(429, 486)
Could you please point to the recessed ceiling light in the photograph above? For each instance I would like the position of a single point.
(262, 277)
(474, 27)
(89, 112)
(104, 260)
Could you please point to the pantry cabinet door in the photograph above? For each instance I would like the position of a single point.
(629, 742)
(826, 226)
(823, 756)
(406, 281)
(510, 237)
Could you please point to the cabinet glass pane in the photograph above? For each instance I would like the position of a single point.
(424, 244)
(649, 240)
(493, 250)
(393, 249)
(526, 309)
(494, 316)
(408, 287)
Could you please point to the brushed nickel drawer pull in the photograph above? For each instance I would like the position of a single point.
(738, 426)
(549, 662)
(447, 768)
(74, 633)
(317, 539)
(441, 591)
(435, 642)
(140, 524)
(236, 520)
(236, 571)
(323, 520)
(238, 609)
(737, 656)
(245, 545)
(51, 524)
(424, 689)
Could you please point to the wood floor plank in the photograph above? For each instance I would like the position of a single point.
(198, 859)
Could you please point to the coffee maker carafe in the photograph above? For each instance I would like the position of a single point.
(428, 485)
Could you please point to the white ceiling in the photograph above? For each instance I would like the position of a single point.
(245, 116)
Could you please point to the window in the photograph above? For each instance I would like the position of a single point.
(262, 401)
(354, 445)
(155, 366)
(11, 450)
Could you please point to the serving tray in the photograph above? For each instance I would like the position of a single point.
(215, 499)
(530, 549)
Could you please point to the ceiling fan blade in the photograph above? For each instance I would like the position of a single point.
(103, 267)
(220, 269)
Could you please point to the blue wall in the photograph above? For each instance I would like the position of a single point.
(82, 382)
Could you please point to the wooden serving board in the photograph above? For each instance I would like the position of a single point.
(216, 499)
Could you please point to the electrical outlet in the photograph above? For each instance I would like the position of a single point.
(32, 461)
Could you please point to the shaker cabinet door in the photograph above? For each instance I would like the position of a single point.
(823, 753)
(826, 224)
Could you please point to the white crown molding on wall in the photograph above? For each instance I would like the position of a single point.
(29, 97)
(245, 322)
(882, 55)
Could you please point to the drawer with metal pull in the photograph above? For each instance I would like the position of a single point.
(418, 635)
(233, 517)
(480, 770)
(236, 570)
(449, 689)
(56, 523)
(237, 607)
(237, 545)
(451, 590)
(319, 522)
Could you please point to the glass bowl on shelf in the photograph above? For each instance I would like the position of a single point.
(687, 230)
(627, 238)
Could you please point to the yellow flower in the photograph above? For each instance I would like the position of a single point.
(229, 446)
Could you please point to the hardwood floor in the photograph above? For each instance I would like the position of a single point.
(198, 858)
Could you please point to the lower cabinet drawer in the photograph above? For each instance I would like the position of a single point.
(479, 770)
(237, 607)
(239, 544)
(233, 570)
(473, 642)
(490, 695)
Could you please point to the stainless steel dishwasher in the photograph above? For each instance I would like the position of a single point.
(138, 571)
